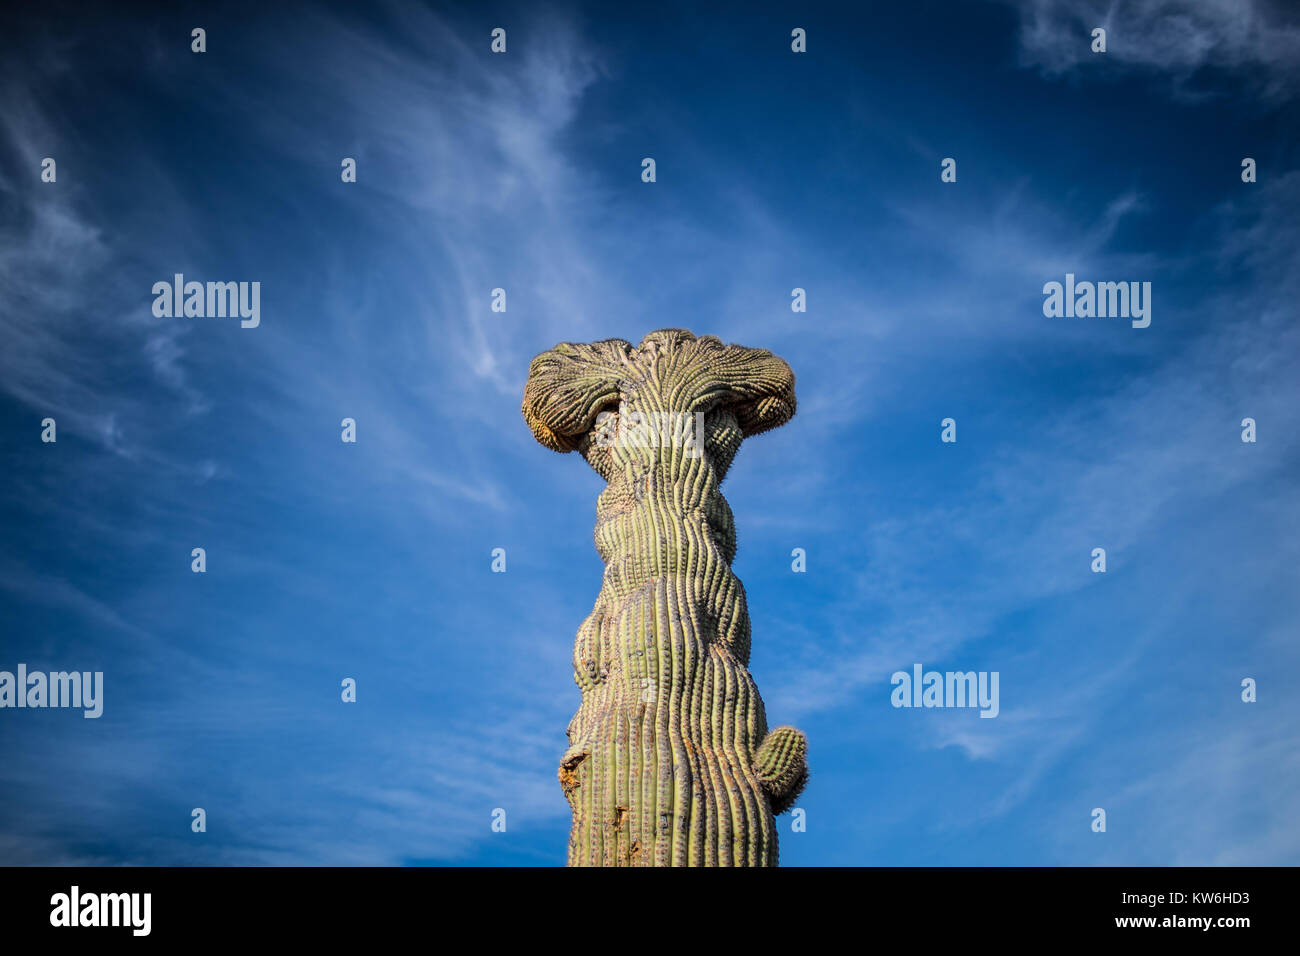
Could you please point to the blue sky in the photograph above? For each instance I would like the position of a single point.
(775, 170)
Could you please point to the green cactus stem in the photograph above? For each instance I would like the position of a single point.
(670, 760)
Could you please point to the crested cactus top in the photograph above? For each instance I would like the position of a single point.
(571, 384)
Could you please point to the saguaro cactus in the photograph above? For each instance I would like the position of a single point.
(670, 761)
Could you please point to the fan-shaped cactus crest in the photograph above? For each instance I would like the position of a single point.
(670, 760)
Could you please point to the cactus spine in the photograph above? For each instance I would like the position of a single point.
(670, 761)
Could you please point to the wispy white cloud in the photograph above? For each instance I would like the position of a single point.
(1116, 469)
(1173, 37)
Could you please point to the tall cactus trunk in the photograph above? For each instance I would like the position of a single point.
(670, 761)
